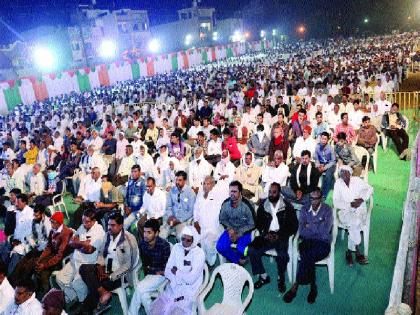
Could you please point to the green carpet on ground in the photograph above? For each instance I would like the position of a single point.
(360, 289)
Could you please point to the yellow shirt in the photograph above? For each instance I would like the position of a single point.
(31, 156)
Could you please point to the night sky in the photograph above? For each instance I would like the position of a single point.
(321, 17)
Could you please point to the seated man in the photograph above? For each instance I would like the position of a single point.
(206, 217)
(25, 302)
(276, 222)
(88, 162)
(345, 127)
(6, 290)
(394, 125)
(86, 243)
(249, 175)
(350, 196)
(89, 193)
(275, 171)
(154, 205)
(108, 200)
(53, 303)
(52, 256)
(179, 207)
(198, 169)
(127, 162)
(304, 142)
(345, 155)
(34, 245)
(53, 188)
(184, 271)
(325, 162)
(303, 180)
(37, 182)
(367, 137)
(238, 218)
(134, 196)
(118, 255)
(11, 252)
(154, 254)
(259, 143)
(315, 225)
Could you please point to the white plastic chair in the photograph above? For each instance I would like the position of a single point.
(360, 152)
(374, 156)
(125, 284)
(365, 229)
(234, 278)
(58, 205)
(272, 253)
(328, 261)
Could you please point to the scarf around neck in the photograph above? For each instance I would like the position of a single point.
(308, 174)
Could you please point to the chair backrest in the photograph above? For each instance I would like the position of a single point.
(206, 278)
(360, 152)
(234, 278)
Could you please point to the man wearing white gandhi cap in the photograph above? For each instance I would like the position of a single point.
(350, 196)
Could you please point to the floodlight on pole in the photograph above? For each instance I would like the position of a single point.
(108, 49)
(154, 45)
(274, 32)
(215, 36)
(262, 34)
(366, 20)
(44, 58)
(188, 39)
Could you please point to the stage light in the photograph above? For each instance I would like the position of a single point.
(301, 29)
(44, 58)
(154, 45)
(237, 36)
(247, 35)
(274, 32)
(188, 39)
(215, 36)
(262, 34)
(366, 20)
(108, 49)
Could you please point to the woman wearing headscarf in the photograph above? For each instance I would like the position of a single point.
(198, 169)
(184, 270)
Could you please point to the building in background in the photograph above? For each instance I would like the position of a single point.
(128, 29)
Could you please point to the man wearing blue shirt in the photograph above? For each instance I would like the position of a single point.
(325, 161)
(179, 206)
(315, 230)
(134, 196)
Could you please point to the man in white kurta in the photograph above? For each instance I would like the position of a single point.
(350, 196)
(184, 271)
(206, 217)
(7, 292)
(275, 171)
(198, 169)
(86, 242)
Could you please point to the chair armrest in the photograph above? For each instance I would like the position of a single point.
(204, 293)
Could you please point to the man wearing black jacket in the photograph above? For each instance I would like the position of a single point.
(276, 222)
(304, 179)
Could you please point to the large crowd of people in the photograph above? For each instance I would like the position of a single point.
(170, 172)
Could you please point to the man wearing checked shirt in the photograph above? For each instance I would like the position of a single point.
(179, 207)
(134, 196)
